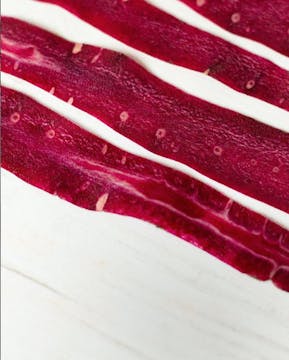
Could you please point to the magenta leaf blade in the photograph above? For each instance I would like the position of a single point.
(146, 28)
(50, 152)
(244, 154)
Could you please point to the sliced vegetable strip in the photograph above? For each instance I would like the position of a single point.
(145, 27)
(52, 153)
(233, 149)
(265, 21)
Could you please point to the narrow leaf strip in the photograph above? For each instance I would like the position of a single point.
(52, 153)
(235, 150)
(265, 21)
(159, 34)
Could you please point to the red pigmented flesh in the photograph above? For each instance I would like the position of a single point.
(50, 152)
(265, 21)
(280, 278)
(244, 154)
(146, 28)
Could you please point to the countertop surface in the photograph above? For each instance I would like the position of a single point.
(77, 284)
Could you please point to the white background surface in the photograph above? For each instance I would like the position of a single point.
(85, 285)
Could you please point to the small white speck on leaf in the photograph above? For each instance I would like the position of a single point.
(200, 2)
(104, 149)
(16, 65)
(52, 90)
(70, 101)
(235, 17)
(250, 84)
(124, 116)
(123, 160)
(100, 204)
(160, 133)
(96, 57)
(77, 48)
(218, 150)
(50, 133)
(15, 117)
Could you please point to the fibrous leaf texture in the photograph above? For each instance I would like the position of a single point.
(145, 27)
(244, 154)
(50, 152)
(265, 21)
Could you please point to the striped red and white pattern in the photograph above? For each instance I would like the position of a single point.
(194, 83)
